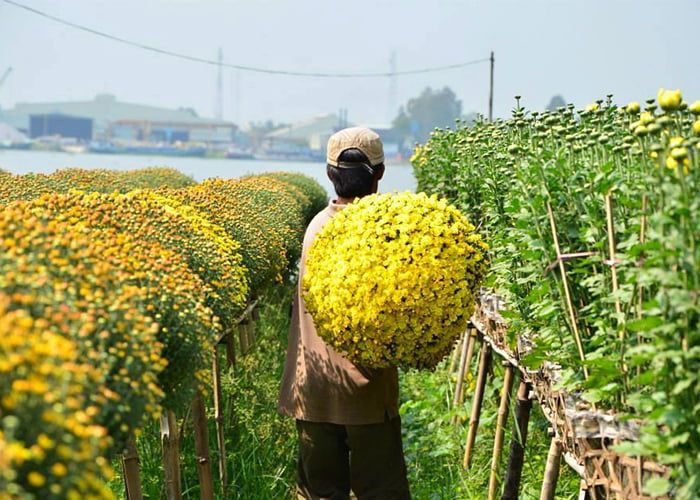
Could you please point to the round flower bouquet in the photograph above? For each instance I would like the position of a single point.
(392, 279)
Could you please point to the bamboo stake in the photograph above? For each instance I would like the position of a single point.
(243, 336)
(201, 447)
(567, 292)
(219, 422)
(551, 471)
(615, 285)
(484, 365)
(470, 354)
(516, 458)
(460, 377)
(230, 349)
(642, 239)
(130, 468)
(500, 428)
(453, 358)
(171, 455)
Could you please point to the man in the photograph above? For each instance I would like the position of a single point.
(347, 416)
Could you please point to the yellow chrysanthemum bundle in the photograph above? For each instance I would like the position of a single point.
(392, 279)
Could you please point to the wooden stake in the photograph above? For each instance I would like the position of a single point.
(130, 468)
(642, 239)
(551, 471)
(567, 292)
(455, 351)
(516, 458)
(484, 365)
(171, 455)
(464, 369)
(201, 448)
(243, 336)
(613, 269)
(460, 377)
(230, 349)
(219, 422)
(500, 428)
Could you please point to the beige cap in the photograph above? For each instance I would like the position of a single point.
(361, 138)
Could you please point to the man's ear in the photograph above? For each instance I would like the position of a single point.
(379, 172)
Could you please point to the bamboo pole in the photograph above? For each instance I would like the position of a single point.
(201, 447)
(219, 423)
(500, 428)
(250, 332)
(460, 377)
(470, 354)
(230, 349)
(615, 284)
(567, 292)
(243, 336)
(551, 471)
(130, 468)
(516, 457)
(457, 349)
(642, 239)
(484, 365)
(171, 455)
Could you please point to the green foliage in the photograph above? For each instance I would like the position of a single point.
(644, 359)
(434, 447)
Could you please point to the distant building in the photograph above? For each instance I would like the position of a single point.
(308, 136)
(113, 119)
(55, 124)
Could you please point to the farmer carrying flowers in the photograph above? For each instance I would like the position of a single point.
(347, 415)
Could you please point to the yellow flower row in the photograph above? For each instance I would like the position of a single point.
(128, 293)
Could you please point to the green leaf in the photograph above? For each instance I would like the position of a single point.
(657, 486)
(644, 324)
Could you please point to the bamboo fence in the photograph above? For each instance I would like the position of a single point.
(171, 434)
(581, 435)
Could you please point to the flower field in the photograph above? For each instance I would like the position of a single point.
(114, 287)
(592, 219)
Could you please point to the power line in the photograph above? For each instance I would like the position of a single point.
(241, 67)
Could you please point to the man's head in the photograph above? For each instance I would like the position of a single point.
(355, 162)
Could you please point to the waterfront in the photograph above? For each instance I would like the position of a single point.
(396, 178)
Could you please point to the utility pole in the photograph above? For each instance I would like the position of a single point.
(491, 89)
(393, 80)
(219, 106)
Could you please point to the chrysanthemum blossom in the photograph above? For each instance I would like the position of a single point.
(393, 279)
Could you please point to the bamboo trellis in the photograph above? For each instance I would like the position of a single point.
(171, 434)
(582, 435)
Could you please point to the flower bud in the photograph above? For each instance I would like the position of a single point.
(632, 107)
(669, 100)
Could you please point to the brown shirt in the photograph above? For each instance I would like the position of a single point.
(319, 384)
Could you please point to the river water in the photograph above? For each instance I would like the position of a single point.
(396, 177)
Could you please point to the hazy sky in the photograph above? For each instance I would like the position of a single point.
(582, 49)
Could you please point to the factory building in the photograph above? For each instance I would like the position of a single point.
(112, 119)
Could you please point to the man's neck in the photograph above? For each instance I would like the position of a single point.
(344, 201)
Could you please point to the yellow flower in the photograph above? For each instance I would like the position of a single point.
(669, 100)
(696, 127)
(646, 118)
(695, 108)
(592, 107)
(36, 479)
(632, 107)
(392, 279)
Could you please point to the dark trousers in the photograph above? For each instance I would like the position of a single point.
(333, 459)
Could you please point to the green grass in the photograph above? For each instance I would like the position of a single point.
(261, 445)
